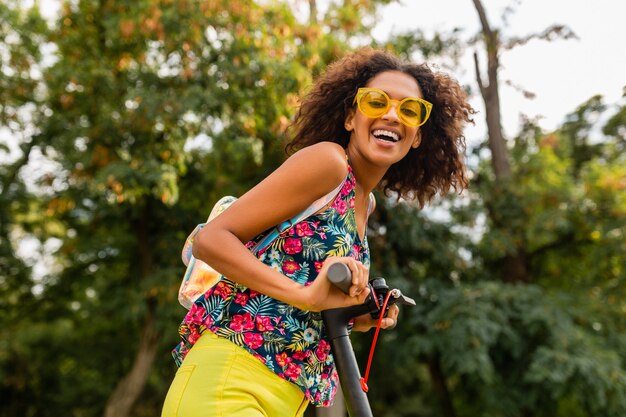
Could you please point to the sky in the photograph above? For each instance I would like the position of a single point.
(563, 74)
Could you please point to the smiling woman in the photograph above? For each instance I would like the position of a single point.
(370, 122)
(431, 168)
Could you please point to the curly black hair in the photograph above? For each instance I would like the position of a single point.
(436, 166)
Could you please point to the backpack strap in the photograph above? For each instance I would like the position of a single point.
(371, 205)
(286, 225)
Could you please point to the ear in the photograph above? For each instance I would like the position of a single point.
(349, 121)
(418, 140)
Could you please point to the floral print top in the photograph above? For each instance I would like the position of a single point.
(291, 342)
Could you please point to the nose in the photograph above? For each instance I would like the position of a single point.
(392, 114)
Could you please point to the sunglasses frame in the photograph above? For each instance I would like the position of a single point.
(364, 90)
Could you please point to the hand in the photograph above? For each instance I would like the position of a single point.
(322, 295)
(366, 321)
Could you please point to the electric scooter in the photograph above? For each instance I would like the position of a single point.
(336, 321)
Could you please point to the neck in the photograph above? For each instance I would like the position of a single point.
(367, 175)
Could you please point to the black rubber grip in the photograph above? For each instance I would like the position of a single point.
(340, 275)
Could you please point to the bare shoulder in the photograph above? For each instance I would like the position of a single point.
(307, 175)
(323, 160)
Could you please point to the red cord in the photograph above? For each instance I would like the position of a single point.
(369, 360)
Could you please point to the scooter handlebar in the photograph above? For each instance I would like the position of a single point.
(340, 275)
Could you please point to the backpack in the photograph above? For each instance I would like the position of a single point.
(200, 277)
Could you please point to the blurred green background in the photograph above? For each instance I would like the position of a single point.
(121, 124)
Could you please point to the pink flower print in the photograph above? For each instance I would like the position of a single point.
(253, 293)
(195, 315)
(263, 323)
(322, 350)
(242, 322)
(253, 340)
(193, 336)
(241, 298)
(293, 246)
(341, 206)
(303, 229)
(290, 267)
(351, 202)
(223, 290)
(282, 359)
(293, 371)
(347, 187)
(301, 355)
(318, 265)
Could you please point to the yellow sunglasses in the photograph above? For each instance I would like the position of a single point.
(373, 103)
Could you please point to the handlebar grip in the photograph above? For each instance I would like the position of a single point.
(340, 275)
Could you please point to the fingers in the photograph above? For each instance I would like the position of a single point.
(360, 277)
(390, 321)
(363, 323)
(366, 322)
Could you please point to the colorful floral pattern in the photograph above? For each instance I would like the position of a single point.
(291, 342)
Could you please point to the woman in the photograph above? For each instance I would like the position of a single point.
(254, 345)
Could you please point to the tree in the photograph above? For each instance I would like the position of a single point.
(132, 90)
(192, 102)
(501, 205)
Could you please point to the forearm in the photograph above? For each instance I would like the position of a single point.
(228, 255)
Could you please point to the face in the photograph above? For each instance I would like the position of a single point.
(385, 140)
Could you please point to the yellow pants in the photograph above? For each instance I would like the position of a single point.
(220, 379)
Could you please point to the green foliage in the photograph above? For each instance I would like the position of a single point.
(477, 346)
(151, 110)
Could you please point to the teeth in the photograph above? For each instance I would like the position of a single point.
(386, 134)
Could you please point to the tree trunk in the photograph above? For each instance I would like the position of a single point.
(514, 265)
(129, 388)
(312, 12)
(491, 97)
(441, 387)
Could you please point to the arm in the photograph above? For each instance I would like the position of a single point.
(306, 176)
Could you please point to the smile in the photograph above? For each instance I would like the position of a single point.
(386, 135)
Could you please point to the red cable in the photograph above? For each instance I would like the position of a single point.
(369, 360)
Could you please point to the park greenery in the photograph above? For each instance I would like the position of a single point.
(128, 119)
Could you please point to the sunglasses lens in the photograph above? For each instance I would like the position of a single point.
(412, 112)
(373, 104)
